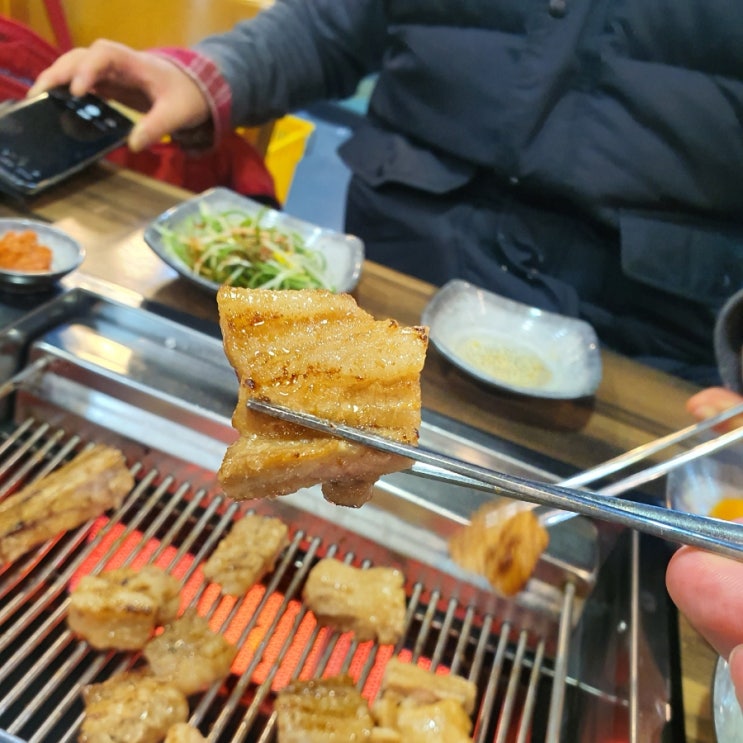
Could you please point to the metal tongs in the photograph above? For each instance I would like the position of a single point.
(714, 535)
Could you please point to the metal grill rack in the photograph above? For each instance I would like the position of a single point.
(166, 522)
(90, 369)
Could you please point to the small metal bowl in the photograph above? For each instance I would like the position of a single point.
(67, 255)
(698, 486)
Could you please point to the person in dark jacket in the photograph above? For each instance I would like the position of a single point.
(581, 156)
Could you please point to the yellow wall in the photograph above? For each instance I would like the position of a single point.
(139, 23)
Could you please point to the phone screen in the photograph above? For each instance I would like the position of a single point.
(48, 137)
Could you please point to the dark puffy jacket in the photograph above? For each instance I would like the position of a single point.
(616, 103)
(629, 111)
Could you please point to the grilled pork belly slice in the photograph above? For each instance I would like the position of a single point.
(95, 481)
(503, 541)
(316, 352)
(419, 686)
(132, 707)
(182, 732)
(436, 722)
(424, 706)
(189, 655)
(329, 710)
(247, 553)
(370, 602)
(120, 609)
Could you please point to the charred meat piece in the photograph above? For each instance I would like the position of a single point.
(322, 711)
(247, 553)
(189, 655)
(316, 352)
(121, 608)
(95, 481)
(370, 603)
(131, 708)
(503, 542)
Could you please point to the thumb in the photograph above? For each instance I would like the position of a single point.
(146, 133)
(166, 116)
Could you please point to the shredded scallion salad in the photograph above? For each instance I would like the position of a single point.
(233, 247)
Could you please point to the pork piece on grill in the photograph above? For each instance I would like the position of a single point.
(247, 553)
(95, 481)
(120, 609)
(329, 710)
(368, 602)
(435, 722)
(189, 655)
(503, 541)
(425, 707)
(316, 352)
(419, 686)
(132, 707)
(182, 732)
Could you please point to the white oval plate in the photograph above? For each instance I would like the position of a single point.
(344, 254)
(512, 345)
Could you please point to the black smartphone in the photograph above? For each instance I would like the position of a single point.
(47, 138)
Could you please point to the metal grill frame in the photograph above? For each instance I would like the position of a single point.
(514, 650)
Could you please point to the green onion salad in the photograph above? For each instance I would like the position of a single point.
(232, 247)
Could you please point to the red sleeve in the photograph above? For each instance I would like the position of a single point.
(215, 89)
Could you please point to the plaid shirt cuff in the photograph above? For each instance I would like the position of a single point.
(216, 91)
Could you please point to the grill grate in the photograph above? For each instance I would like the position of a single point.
(166, 521)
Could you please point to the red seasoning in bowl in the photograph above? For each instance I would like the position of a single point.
(21, 251)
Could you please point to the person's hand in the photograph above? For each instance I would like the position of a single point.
(140, 80)
(712, 401)
(708, 590)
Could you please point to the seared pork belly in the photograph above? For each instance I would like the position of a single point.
(247, 553)
(189, 655)
(437, 722)
(182, 732)
(322, 711)
(419, 686)
(425, 707)
(503, 541)
(132, 707)
(95, 481)
(120, 609)
(319, 353)
(369, 602)
(332, 709)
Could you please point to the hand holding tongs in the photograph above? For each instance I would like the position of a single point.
(721, 537)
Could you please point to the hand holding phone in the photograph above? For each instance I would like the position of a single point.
(47, 138)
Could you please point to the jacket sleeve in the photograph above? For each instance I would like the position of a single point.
(297, 52)
(729, 342)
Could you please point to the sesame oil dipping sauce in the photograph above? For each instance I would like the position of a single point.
(511, 345)
(506, 361)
